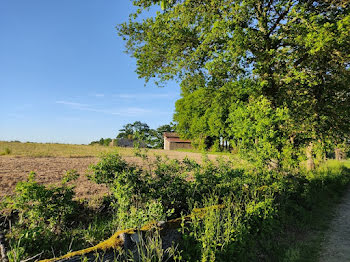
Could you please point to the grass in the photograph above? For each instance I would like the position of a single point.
(234, 157)
(30, 149)
(303, 240)
(331, 163)
(53, 150)
(224, 153)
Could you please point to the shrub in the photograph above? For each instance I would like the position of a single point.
(43, 213)
(108, 168)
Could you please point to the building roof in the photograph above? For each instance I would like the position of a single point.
(171, 134)
(174, 137)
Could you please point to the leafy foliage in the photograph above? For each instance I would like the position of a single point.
(256, 128)
(257, 207)
(143, 136)
(42, 214)
(108, 169)
(296, 54)
(135, 130)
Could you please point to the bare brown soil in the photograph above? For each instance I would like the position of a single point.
(50, 170)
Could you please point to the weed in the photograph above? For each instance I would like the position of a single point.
(17, 252)
(149, 248)
(7, 151)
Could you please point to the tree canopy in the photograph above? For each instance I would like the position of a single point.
(141, 133)
(134, 130)
(281, 67)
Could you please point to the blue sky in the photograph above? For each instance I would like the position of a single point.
(64, 76)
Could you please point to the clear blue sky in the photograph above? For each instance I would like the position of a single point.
(64, 76)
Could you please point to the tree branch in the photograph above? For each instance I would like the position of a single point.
(281, 16)
(33, 257)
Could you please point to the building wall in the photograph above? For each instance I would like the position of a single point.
(166, 144)
(174, 146)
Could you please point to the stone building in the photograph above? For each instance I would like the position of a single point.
(172, 141)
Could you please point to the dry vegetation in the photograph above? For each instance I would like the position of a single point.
(54, 150)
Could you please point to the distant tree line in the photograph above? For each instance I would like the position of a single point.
(138, 134)
(102, 142)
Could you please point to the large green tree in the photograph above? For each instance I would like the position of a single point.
(134, 130)
(141, 133)
(138, 132)
(296, 52)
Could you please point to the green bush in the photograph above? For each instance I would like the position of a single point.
(108, 168)
(135, 189)
(42, 213)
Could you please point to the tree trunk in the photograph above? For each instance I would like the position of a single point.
(274, 164)
(310, 164)
(339, 154)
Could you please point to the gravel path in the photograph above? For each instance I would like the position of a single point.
(337, 243)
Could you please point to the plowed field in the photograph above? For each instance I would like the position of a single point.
(50, 169)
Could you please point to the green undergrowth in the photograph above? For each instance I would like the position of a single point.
(193, 150)
(267, 215)
(304, 236)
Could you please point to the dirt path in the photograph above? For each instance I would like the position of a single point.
(337, 243)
